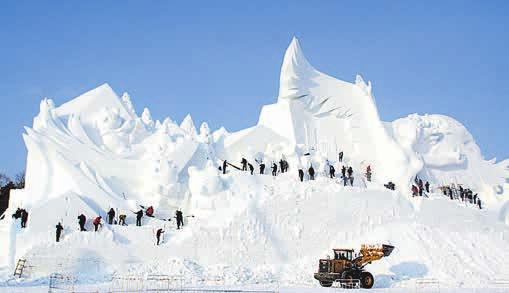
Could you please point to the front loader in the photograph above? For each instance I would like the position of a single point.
(345, 268)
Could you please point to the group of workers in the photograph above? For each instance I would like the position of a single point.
(460, 193)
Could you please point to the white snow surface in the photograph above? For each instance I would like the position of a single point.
(94, 152)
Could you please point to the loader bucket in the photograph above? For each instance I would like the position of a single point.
(387, 249)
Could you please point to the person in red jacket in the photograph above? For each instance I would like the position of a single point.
(415, 191)
(97, 222)
(150, 211)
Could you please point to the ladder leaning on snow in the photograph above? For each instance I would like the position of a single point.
(19, 267)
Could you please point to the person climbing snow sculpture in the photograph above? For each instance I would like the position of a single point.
(349, 172)
(97, 223)
(427, 186)
(343, 172)
(150, 211)
(251, 168)
(340, 157)
(282, 165)
(111, 216)
(59, 228)
(159, 232)
(274, 169)
(81, 221)
(421, 187)
(311, 172)
(139, 215)
(262, 168)
(301, 175)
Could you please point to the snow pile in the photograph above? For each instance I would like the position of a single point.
(95, 153)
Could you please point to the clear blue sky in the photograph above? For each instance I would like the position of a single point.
(220, 60)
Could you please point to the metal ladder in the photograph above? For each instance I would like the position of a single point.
(19, 267)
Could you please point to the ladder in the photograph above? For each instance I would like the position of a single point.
(19, 267)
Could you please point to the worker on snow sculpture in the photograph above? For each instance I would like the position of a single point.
(121, 220)
(158, 234)
(81, 221)
(224, 167)
(274, 169)
(180, 219)
(251, 168)
(349, 172)
(368, 173)
(244, 164)
(111, 216)
(59, 228)
(97, 223)
(24, 218)
(332, 171)
(415, 191)
(139, 215)
(262, 168)
(150, 211)
(282, 165)
(343, 172)
(301, 175)
(311, 172)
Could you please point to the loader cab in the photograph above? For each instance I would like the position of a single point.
(343, 254)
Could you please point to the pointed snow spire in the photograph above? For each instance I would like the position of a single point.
(188, 125)
(205, 132)
(146, 117)
(126, 100)
(295, 66)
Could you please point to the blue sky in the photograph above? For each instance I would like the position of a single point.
(220, 60)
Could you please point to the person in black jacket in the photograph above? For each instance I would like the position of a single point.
(311, 172)
(59, 228)
(224, 167)
(111, 216)
(244, 164)
(81, 221)
(262, 168)
(332, 171)
(158, 235)
(274, 169)
(301, 175)
(139, 215)
(24, 218)
(251, 168)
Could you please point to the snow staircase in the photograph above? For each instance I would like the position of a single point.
(20, 266)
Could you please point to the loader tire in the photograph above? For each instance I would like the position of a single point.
(367, 280)
(325, 284)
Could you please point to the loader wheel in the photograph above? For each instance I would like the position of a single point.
(325, 284)
(367, 280)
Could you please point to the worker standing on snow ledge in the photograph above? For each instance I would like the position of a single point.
(224, 167)
(244, 164)
(97, 223)
(262, 168)
(81, 221)
(301, 175)
(282, 165)
(59, 228)
(139, 215)
(111, 216)
(349, 172)
(251, 168)
(180, 219)
(158, 234)
(332, 171)
(311, 171)
(274, 169)
(340, 157)
(343, 172)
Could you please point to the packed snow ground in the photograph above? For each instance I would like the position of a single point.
(95, 152)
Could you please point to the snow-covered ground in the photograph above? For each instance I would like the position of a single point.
(95, 152)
